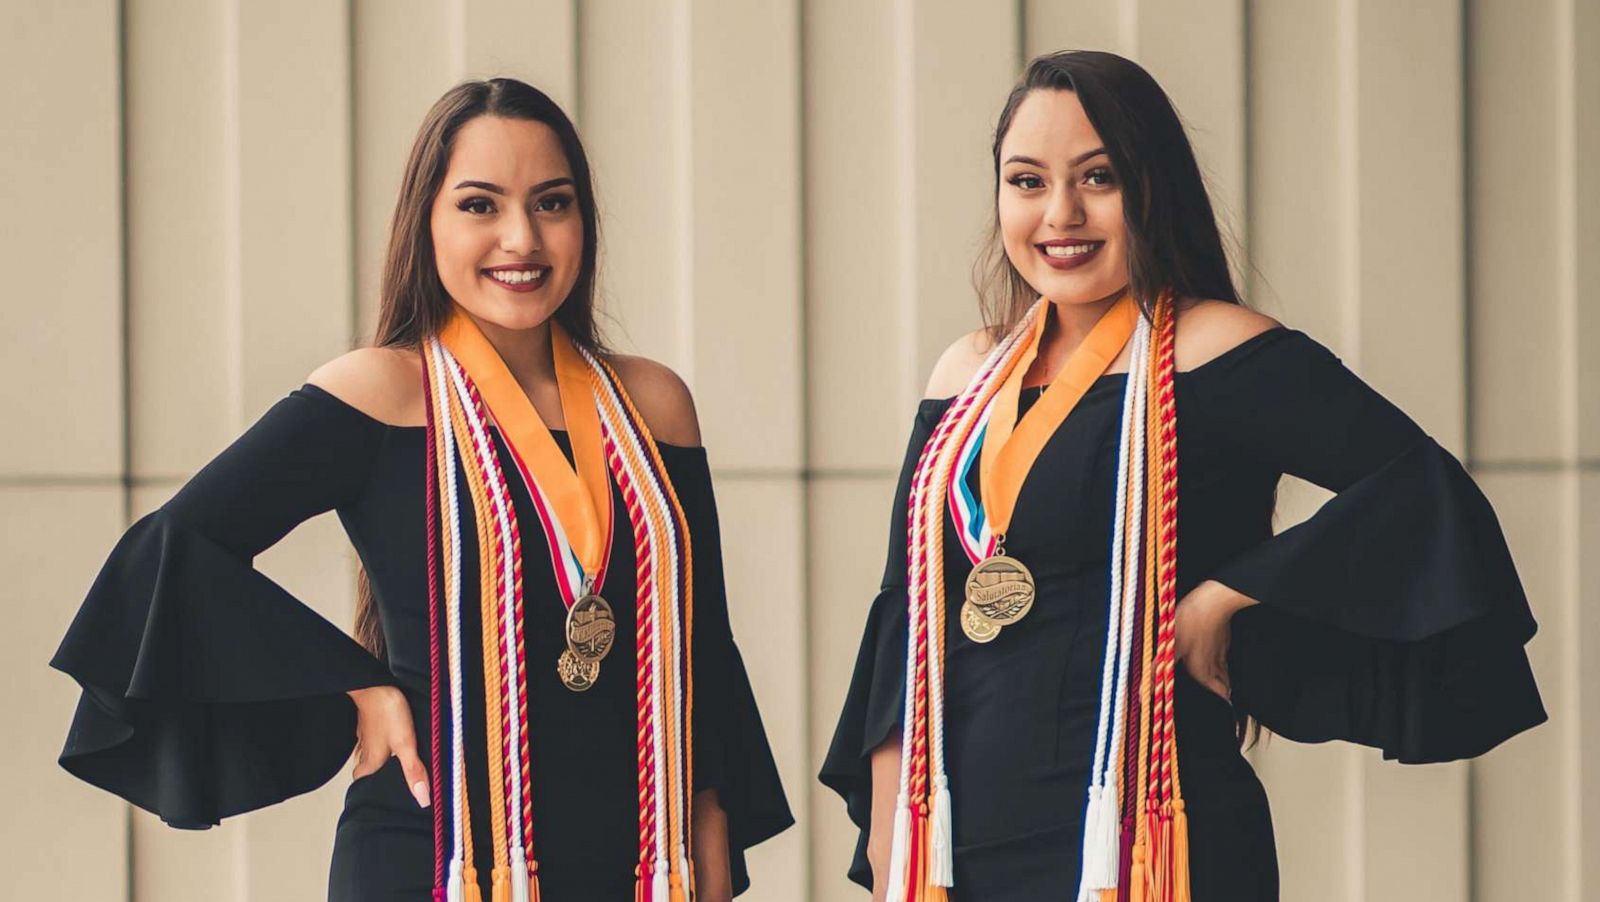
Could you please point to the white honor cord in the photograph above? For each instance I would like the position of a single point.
(1100, 823)
(452, 536)
(498, 504)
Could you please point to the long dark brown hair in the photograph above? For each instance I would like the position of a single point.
(412, 303)
(1174, 244)
(1173, 241)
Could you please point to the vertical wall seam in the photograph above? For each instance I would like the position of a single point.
(354, 338)
(125, 498)
(809, 726)
(1468, 384)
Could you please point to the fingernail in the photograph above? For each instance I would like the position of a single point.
(420, 790)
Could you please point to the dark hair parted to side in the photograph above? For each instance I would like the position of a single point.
(1173, 241)
(412, 303)
(1174, 244)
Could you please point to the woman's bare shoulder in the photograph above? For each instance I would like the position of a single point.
(661, 397)
(1207, 329)
(383, 383)
(958, 363)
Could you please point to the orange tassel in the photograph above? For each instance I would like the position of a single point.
(675, 887)
(470, 889)
(1108, 895)
(500, 888)
(1180, 852)
(641, 890)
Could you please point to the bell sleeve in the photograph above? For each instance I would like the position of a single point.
(731, 752)
(874, 701)
(1393, 617)
(208, 690)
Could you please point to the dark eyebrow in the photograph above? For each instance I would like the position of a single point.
(492, 188)
(1030, 161)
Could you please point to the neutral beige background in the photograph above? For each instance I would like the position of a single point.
(194, 199)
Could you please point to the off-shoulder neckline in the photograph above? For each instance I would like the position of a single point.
(312, 390)
(1237, 350)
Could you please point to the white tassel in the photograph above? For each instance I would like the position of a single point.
(454, 885)
(941, 869)
(519, 874)
(1101, 832)
(897, 850)
(658, 885)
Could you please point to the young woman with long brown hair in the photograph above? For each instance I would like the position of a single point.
(547, 699)
(1090, 484)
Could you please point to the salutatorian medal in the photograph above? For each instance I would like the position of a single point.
(1000, 592)
(591, 628)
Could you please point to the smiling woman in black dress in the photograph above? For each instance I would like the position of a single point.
(209, 691)
(1393, 617)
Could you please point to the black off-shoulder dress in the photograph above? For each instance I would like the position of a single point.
(209, 691)
(1393, 617)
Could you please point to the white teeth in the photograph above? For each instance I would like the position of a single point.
(516, 276)
(1068, 250)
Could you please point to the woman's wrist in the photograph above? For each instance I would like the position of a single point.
(1226, 600)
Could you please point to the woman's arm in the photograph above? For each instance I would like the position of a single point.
(885, 790)
(713, 879)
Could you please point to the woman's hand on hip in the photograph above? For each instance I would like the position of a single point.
(1202, 626)
(384, 730)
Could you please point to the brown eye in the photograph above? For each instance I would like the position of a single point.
(1027, 181)
(1100, 176)
(553, 203)
(478, 206)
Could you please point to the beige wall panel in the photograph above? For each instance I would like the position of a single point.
(745, 316)
(531, 40)
(61, 160)
(1050, 25)
(1295, 187)
(171, 865)
(1583, 643)
(1208, 89)
(634, 72)
(1415, 831)
(762, 541)
(288, 846)
(1409, 226)
(1584, 117)
(183, 352)
(1515, 124)
(1312, 790)
(849, 527)
(293, 171)
(861, 382)
(1523, 798)
(961, 63)
(405, 57)
(62, 838)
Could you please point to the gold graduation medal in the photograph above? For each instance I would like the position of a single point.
(591, 628)
(977, 627)
(1000, 591)
(576, 673)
